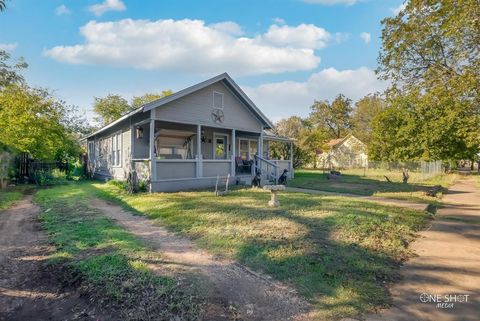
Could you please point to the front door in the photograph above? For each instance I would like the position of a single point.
(220, 146)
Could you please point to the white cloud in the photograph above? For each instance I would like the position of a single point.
(301, 36)
(193, 46)
(341, 37)
(366, 37)
(332, 2)
(279, 21)
(107, 5)
(8, 46)
(228, 27)
(62, 10)
(287, 98)
(397, 10)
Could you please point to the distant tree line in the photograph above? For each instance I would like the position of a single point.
(431, 56)
(326, 121)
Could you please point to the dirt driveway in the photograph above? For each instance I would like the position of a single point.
(29, 288)
(448, 264)
(254, 296)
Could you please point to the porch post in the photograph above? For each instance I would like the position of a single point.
(199, 158)
(234, 152)
(153, 162)
(291, 159)
(260, 144)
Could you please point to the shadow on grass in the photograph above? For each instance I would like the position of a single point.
(353, 184)
(339, 253)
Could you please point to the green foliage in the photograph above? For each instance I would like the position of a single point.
(32, 121)
(340, 253)
(110, 262)
(366, 109)
(139, 101)
(42, 177)
(333, 117)
(6, 167)
(110, 108)
(431, 54)
(7, 197)
(10, 73)
(46, 177)
(293, 127)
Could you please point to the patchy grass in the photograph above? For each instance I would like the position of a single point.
(340, 253)
(374, 183)
(110, 262)
(8, 197)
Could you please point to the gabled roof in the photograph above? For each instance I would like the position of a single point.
(227, 81)
(335, 142)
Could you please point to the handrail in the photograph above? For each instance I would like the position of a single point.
(266, 161)
(268, 174)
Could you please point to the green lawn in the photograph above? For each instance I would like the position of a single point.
(111, 263)
(8, 197)
(340, 253)
(373, 182)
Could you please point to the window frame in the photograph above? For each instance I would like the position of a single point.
(223, 100)
(227, 145)
(116, 154)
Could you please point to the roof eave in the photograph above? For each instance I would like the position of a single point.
(104, 128)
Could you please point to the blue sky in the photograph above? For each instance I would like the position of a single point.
(284, 53)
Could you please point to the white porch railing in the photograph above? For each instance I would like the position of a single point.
(171, 169)
(267, 169)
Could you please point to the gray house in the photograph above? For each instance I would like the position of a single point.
(188, 139)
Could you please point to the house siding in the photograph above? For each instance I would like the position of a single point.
(103, 166)
(197, 107)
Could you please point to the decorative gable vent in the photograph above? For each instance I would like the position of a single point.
(217, 100)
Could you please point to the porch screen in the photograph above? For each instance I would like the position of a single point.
(173, 144)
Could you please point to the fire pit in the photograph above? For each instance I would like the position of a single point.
(274, 189)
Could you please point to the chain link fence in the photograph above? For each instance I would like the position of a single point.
(418, 171)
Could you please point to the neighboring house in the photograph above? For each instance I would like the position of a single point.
(185, 140)
(348, 152)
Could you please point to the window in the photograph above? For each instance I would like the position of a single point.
(248, 148)
(243, 146)
(217, 100)
(91, 151)
(253, 148)
(116, 149)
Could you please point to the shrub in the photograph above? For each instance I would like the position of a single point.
(42, 177)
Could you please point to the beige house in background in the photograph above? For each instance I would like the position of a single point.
(347, 152)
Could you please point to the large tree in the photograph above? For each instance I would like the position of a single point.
(138, 101)
(334, 117)
(431, 55)
(308, 140)
(35, 122)
(10, 72)
(366, 109)
(110, 108)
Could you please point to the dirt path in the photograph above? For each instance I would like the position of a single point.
(255, 296)
(29, 288)
(448, 263)
(381, 200)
